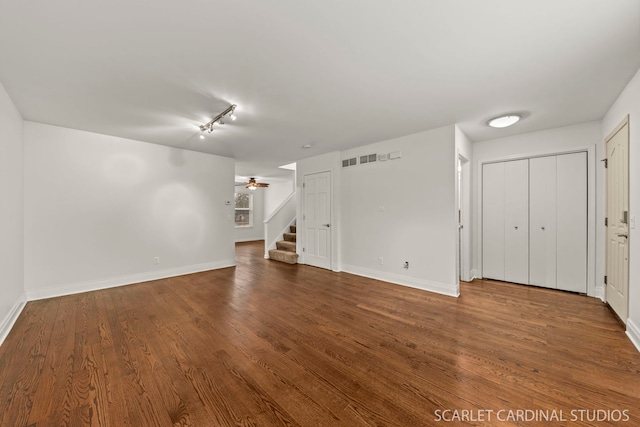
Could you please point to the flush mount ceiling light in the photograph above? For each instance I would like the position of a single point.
(504, 121)
(229, 112)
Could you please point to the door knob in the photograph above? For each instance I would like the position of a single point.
(542, 228)
(516, 227)
(626, 236)
(327, 225)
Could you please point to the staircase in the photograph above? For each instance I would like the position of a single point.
(286, 249)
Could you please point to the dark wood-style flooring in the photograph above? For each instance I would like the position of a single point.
(268, 343)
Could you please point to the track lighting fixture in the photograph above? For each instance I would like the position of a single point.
(219, 119)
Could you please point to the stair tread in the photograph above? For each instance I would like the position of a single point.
(289, 237)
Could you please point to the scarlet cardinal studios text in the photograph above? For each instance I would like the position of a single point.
(526, 415)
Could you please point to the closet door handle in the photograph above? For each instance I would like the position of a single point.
(542, 228)
(516, 227)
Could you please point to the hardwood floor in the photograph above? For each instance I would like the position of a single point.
(268, 343)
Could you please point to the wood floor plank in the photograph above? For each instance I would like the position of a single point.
(57, 375)
(268, 343)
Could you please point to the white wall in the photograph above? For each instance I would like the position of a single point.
(256, 231)
(98, 209)
(629, 103)
(403, 210)
(12, 294)
(276, 193)
(579, 137)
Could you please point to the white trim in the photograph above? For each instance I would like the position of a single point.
(11, 317)
(112, 282)
(633, 332)
(412, 282)
(599, 293)
(249, 239)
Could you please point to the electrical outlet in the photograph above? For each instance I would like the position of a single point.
(406, 265)
(380, 260)
(156, 260)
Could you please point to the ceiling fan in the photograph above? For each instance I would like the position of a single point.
(252, 184)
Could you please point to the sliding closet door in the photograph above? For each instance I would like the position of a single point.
(516, 221)
(542, 234)
(572, 222)
(493, 221)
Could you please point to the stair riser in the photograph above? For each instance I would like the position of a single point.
(282, 256)
(286, 246)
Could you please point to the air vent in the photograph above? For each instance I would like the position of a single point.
(369, 158)
(350, 162)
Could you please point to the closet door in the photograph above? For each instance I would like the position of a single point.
(493, 221)
(542, 221)
(571, 201)
(516, 221)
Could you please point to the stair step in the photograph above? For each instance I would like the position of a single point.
(292, 228)
(283, 245)
(289, 237)
(283, 256)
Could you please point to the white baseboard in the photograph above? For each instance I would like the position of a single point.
(598, 292)
(11, 317)
(112, 282)
(250, 239)
(452, 290)
(475, 274)
(633, 332)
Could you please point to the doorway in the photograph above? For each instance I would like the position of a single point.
(316, 219)
(617, 220)
(463, 204)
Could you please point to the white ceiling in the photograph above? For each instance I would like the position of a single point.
(334, 74)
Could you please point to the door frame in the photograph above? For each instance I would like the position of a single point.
(302, 236)
(592, 289)
(463, 204)
(624, 122)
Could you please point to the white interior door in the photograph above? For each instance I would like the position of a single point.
(617, 274)
(493, 221)
(542, 221)
(317, 219)
(572, 222)
(516, 221)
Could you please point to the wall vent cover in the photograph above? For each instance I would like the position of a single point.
(350, 162)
